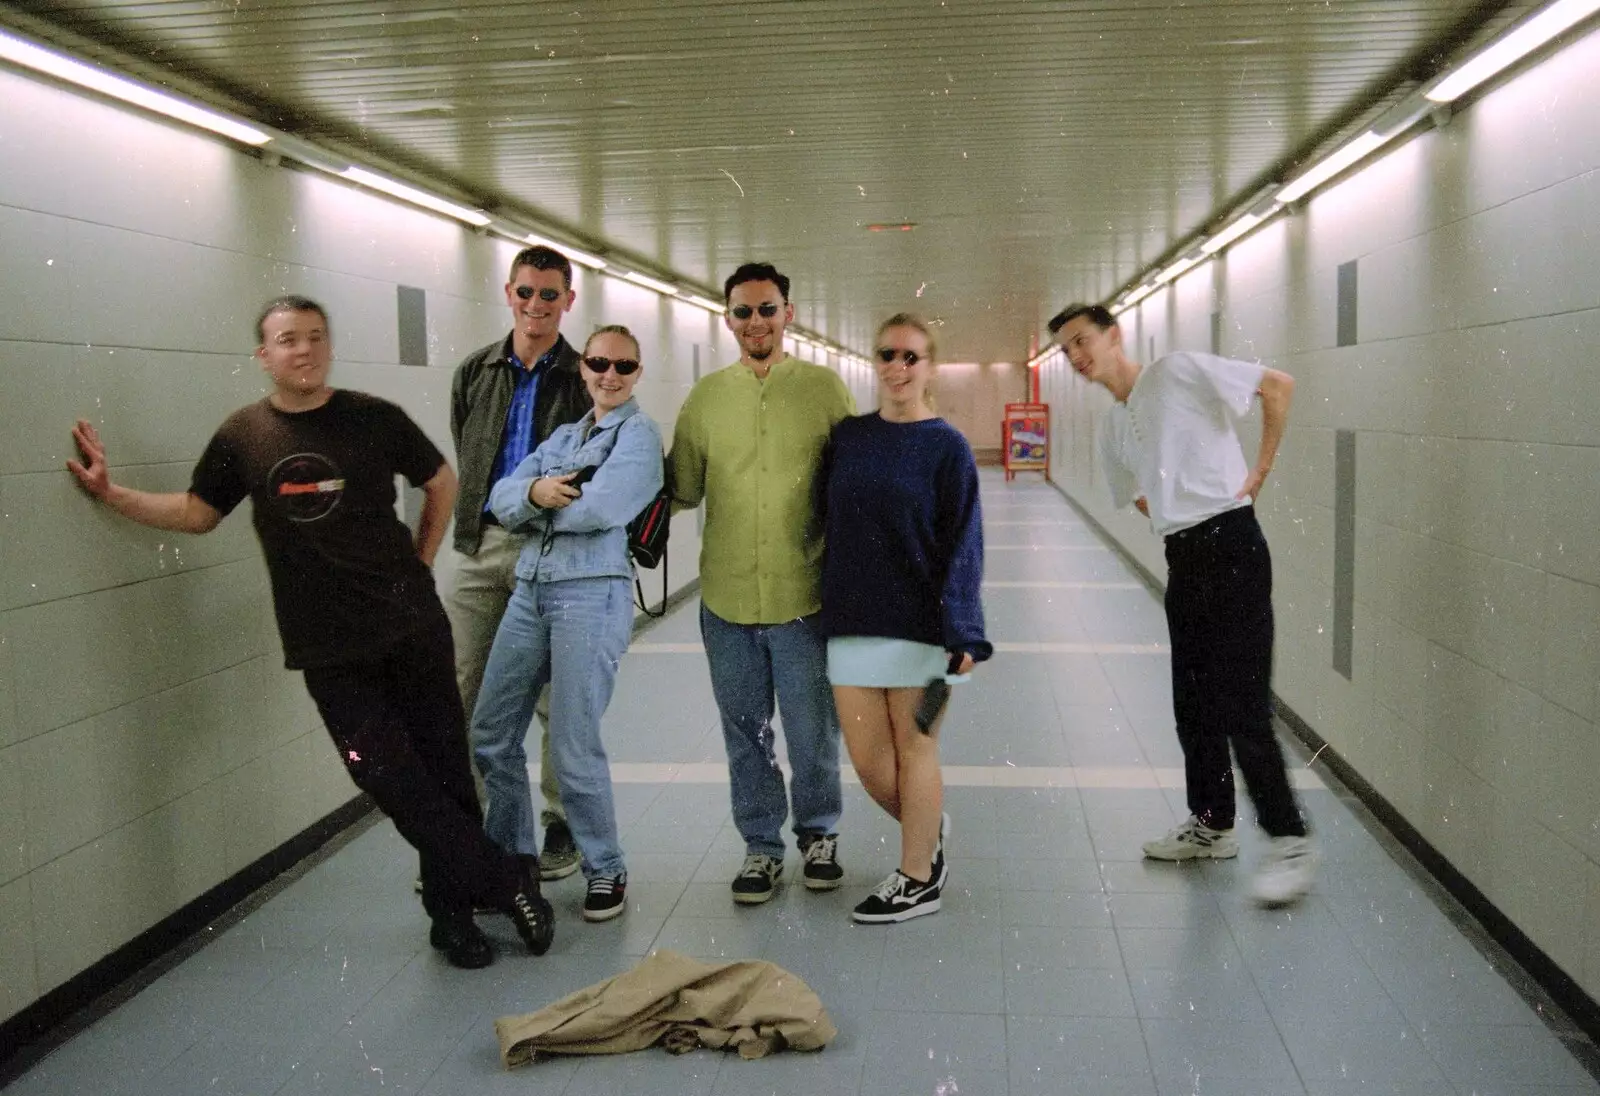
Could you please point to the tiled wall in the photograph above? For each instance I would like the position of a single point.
(1474, 393)
(151, 744)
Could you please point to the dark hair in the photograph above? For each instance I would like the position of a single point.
(913, 321)
(756, 272)
(612, 329)
(542, 258)
(1098, 314)
(289, 302)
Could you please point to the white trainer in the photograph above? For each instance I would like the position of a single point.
(1193, 841)
(1287, 871)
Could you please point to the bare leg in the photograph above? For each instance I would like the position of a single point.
(864, 719)
(919, 781)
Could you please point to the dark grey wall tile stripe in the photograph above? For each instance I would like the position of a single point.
(1344, 550)
(413, 325)
(1347, 303)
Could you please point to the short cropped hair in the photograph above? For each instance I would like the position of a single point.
(1098, 314)
(612, 329)
(289, 302)
(542, 258)
(756, 272)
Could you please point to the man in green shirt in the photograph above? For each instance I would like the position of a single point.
(749, 442)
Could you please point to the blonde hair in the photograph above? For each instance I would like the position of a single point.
(916, 323)
(612, 329)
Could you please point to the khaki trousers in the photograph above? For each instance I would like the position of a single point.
(477, 601)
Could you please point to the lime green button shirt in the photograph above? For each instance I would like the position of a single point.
(751, 448)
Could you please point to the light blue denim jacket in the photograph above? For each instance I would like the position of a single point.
(589, 537)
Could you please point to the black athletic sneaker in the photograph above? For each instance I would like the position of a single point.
(757, 879)
(819, 854)
(898, 898)
(558, 856)
(464, 945)
(608, 897)
(530, 911)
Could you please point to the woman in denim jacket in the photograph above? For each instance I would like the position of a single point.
(569, 620)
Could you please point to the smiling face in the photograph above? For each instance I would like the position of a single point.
(1091, 349)
(757, 315)
(903, 379)
(538, 300)
(610, 389)
(296, 351)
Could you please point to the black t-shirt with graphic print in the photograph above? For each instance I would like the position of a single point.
(346, 580)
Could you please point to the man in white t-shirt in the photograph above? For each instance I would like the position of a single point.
(1169, 445)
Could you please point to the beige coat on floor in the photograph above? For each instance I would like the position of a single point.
(669, 998)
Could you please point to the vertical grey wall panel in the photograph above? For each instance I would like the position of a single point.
(1344, 550)
(1347, 304)
(413, 312)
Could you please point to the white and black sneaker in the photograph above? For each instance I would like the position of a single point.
(607, 897)
(898, 898)
(941, 870)
(1194, 840)
(757, 879)
(819, 868)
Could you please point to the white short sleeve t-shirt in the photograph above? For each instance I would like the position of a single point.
(1175, 441)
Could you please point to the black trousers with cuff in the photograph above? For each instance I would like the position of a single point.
(396, 719)
(1219, 615)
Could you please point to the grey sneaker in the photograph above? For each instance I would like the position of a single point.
(1286, 873)
(757, 879)
(1193, 840)
(558, 856)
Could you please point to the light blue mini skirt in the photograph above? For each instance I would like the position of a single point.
(875, 662)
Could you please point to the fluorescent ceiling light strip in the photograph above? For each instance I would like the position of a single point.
(1511, 48)
(1173, 271)
(413, 195)
(1331, 166)
(582, 258)
(665, 288)
(1243, 226)
(1138, 295)
(21, 52)
(701, 302)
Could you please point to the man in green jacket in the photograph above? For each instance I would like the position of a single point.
(505, 399)
(749, 442)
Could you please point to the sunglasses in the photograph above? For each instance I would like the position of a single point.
(888, 354)
(623, 366)
(526, 292)
(744, 311)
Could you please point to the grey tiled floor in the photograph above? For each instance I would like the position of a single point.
(1061, 964)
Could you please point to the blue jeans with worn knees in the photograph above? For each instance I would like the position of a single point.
(571, 634)
(749, 664)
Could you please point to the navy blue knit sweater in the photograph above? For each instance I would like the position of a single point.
(904, 548)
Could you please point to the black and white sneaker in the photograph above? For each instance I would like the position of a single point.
(530, 912)
(820, 870)
(898, 898)
(607, 897)
(941, 870)
(757, 879)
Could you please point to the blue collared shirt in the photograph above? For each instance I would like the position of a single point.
(518, 440)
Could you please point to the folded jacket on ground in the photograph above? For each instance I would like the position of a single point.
(752, 1006)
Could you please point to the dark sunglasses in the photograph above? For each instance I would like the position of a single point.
(526, 292)
(623, 366)
(744, 311)
(887, 355)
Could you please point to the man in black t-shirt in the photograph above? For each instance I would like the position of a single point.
(356, 605)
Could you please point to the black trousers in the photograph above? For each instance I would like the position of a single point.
(397, 721)
(1219, 615)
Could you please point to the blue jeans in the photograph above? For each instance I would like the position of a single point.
(570, 634)
(749, 662)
